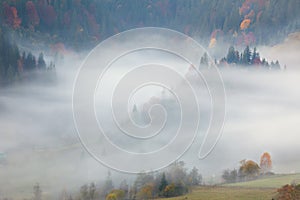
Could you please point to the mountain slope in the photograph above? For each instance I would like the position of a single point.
(75, 23)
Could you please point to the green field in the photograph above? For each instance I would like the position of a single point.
(264, 188)
(275, 181)
(232, 193)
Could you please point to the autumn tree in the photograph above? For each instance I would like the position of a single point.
(265, 163)
(146, 192)
(248, 169)
(111, 196)
(116, 195)
(11, 16)
(288, 192)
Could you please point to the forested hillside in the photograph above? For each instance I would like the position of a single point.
(75, 23)
(56, 25)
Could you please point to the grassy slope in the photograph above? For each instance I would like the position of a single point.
(258, 189)
(232, 193)
(272, 182)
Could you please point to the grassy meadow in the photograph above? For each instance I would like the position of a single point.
(260, 189)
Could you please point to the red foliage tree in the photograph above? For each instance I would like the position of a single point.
(11, 16)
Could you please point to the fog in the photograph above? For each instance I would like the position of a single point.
(39, 137)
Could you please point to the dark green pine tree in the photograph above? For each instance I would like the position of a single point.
(231, 55)
(30, 62)
(163, 184)
(246, 58)
(41, 62)
(255, 55)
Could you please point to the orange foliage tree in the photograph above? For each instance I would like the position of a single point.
(245, 24)
(265, 163)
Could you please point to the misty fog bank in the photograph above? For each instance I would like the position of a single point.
(38, 134)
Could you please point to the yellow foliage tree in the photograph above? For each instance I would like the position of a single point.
(146, 192)
(249, 169)
(111, 196)
(116, 195)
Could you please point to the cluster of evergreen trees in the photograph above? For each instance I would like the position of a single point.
(16, 67)
(247, 58)
(76, 22)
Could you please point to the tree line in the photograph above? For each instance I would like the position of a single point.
(176, 180)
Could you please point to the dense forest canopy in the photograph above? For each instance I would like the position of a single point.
(78, 22)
